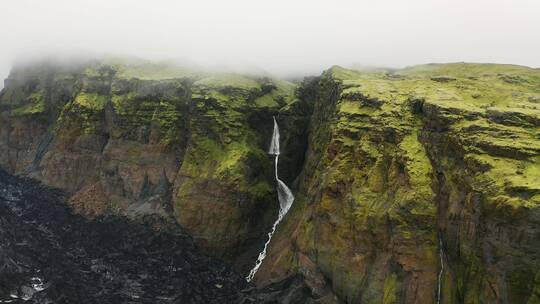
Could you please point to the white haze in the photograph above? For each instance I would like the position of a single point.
(283, 37)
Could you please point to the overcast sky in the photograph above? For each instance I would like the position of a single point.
(280, 36)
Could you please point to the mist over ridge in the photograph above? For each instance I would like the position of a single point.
(288, 39)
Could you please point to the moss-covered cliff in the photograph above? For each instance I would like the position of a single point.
(393, 171)
(405, 166)
(141, 138)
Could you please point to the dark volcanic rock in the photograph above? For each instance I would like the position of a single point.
(49, 255)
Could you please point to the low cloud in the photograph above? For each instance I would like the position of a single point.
(282, 37)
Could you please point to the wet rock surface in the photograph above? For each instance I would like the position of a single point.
(49, 255)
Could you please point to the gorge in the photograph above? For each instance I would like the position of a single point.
(285, 198)
(417, 185)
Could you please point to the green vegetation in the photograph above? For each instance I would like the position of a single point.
(492, 110)
(34, 104)
(227, 81)
(92, 101)
(390, 289)
(535, 296)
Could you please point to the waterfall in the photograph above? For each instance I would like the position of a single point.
(274, 144)
(439, 281)
(285, 198)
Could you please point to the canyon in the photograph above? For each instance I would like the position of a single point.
(415, 185)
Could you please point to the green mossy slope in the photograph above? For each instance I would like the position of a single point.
(397, 159)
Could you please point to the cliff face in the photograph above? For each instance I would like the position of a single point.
(143, 138)
(404, 169)
(397, 174)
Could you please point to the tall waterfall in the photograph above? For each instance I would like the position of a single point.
(285, 198)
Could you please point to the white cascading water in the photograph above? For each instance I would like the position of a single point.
(439, 281)
(285, 198)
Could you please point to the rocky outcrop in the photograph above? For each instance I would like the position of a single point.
(400, 177)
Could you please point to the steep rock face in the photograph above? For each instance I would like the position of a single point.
(364, 201)
(144, 138)
(403, 168)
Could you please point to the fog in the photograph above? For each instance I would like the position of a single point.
(282, 37)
